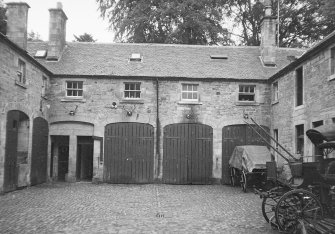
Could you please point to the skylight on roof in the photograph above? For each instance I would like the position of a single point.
(40, 54)
(219, 56)
(135, 57)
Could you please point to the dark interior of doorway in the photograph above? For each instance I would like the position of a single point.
(60, 146)
(84, 170)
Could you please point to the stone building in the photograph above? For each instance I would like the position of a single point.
(144, 113)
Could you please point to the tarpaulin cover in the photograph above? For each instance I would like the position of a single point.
(249, 157)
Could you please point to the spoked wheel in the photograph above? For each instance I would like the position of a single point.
(298, 209)
(270, 202)
(244, 181)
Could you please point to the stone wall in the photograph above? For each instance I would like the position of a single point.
(218, 107)
(318, 99)
(22, 97)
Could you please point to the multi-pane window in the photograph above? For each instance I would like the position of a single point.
(189, 92)
(21, 73)
(246, 93)
(332, 61)
(299, 87)
(299, 133)
(275, 92)
(74, 88)
(132, 90)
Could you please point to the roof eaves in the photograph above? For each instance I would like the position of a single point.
(74, 76)
(312, 51)
(24, 53)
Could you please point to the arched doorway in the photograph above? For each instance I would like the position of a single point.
(16, 149)
(188, 153)
(235, 135)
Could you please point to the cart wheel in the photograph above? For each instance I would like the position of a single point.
(232, 177)
(298, 208)
(269, 204)
(244, 181)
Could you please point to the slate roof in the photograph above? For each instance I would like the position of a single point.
(319, 46)
(159, 60)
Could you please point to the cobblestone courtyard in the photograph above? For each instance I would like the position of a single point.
(153, 208)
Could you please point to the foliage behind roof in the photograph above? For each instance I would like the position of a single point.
(162, 60)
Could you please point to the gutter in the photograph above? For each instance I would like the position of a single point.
(158, 132)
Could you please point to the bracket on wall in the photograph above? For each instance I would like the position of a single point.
(129, 112)
(71, 112)
(113, 106)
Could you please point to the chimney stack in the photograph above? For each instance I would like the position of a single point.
(57, 32)
(268, 36)
(17, 19)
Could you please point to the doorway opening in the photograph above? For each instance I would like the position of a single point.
(60, 157)
(84, 170)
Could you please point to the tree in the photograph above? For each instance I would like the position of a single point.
(166, 21)
(84, 38)
(33, 36)
(301, 22)
(3, 24)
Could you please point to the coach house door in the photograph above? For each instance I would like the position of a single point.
(129, 153)
(39, 155)
(187, 153)
(235, 135)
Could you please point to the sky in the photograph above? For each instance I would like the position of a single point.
(83, 17)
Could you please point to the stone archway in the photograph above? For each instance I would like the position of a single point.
(16, 150)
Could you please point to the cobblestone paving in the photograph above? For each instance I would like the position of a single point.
(153, 208)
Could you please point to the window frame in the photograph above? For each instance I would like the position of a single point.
(187, 92)
(332, 63)
(44, 86)
(21, 72)
(299, 87)
(244, 93)
(135, 91)
(275, 92)
(74, 89)
(299, 141)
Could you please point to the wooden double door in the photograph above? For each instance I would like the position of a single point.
(187, 154)
(129, 153)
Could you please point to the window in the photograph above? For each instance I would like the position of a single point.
(74, 88)
(246, 93)
(135, 57)
(21, 73)
(275, 92)
(299, 86)
(132, 90)
(299, 133)
(317, 151)
(189, 92)
(332, 61)
(44, 86)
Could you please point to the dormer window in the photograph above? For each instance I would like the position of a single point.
(40, 54)
(136, 57)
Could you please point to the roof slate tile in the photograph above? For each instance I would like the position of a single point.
(160, 60)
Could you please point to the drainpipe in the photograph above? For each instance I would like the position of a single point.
(158, 132)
